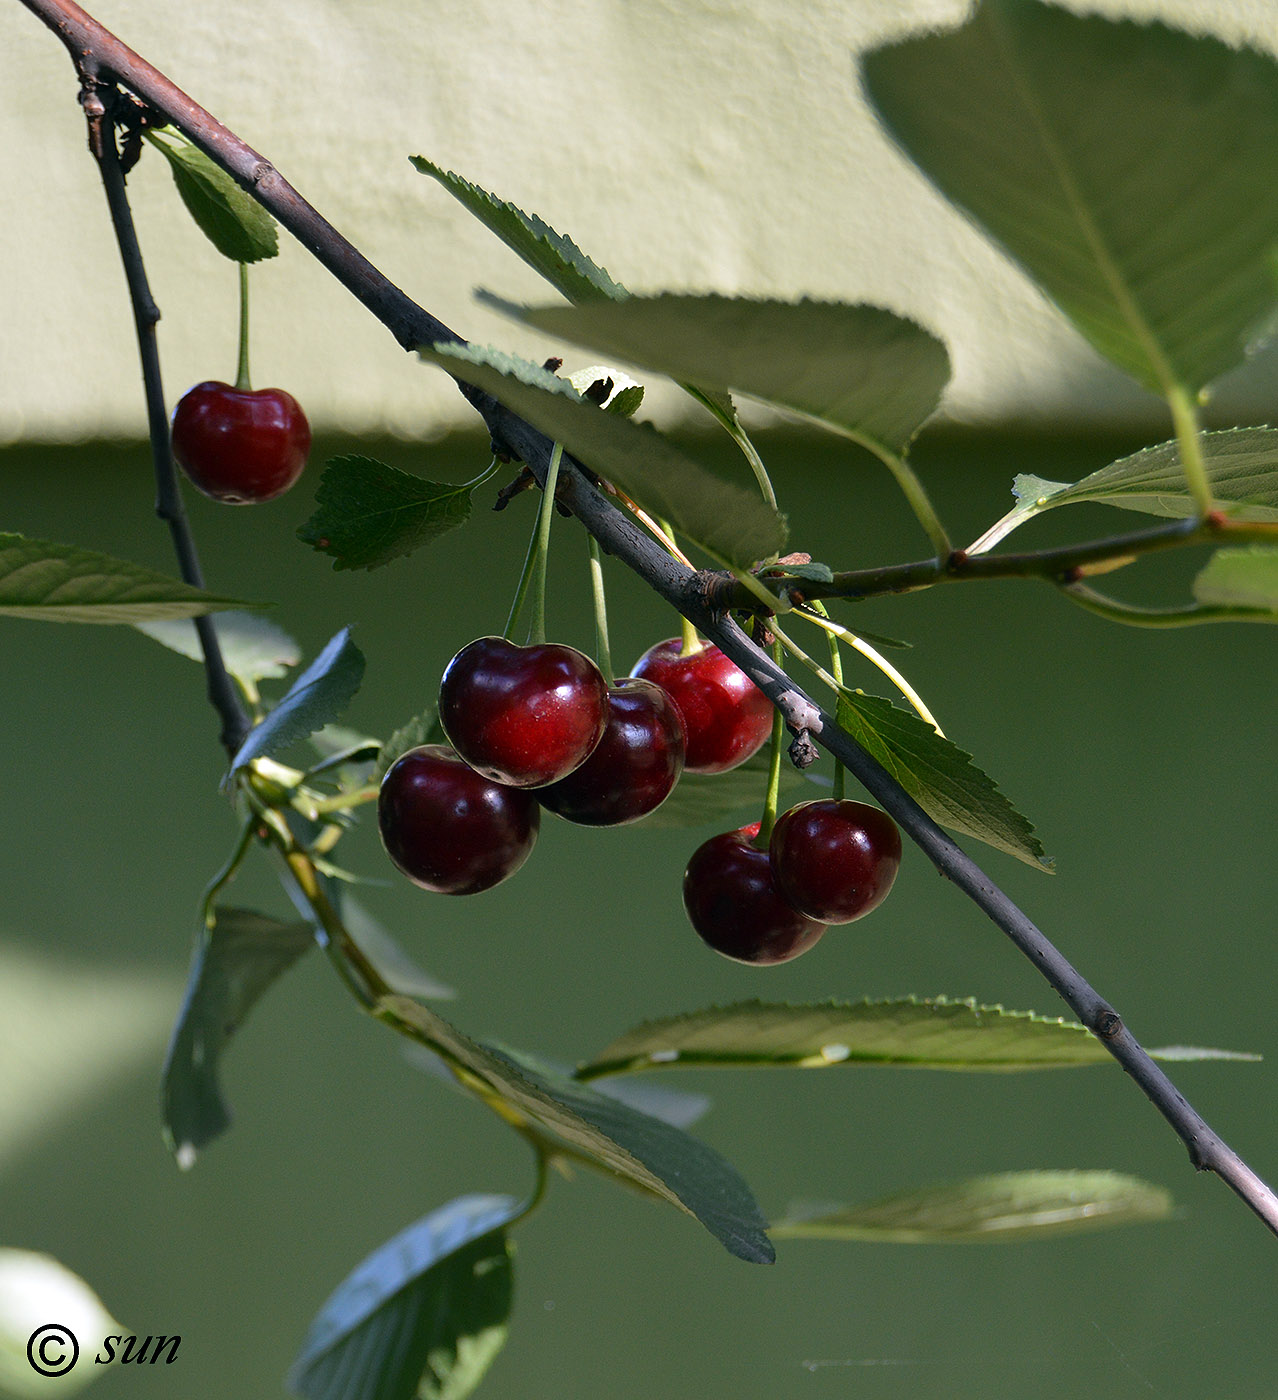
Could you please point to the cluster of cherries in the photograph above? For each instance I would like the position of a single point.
(538, 726)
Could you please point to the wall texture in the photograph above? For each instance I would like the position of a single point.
(719, 145)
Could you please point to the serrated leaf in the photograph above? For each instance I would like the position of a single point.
(423, 1316)
(231, 219)
(1132, 170)
(599, 1130)
(556, 257)
(424, 728)
(235, 963)
(988, 1209)
(922, 1033)
(397, 969)
(317, 696)
(368, 513)
(859, 370)
(732, 523)
(939, 776)
(253, 649)
(1246, 578)
(53, 582)
(701, 798)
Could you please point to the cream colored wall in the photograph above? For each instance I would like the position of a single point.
(718, 145)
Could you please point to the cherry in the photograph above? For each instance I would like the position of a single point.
(633, 768)
(240, 445)
(525, 716)
(448, 828)
(726, 718)
(734, 905)
(833, 860)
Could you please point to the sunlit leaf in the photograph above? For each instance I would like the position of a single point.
(231, 219)
(1131, 168)
(45, 1307)
(253, 648)
(860, 370)
(1240, 578)
(598, 1129)
(368, 513)
(235, 963)
(555, 257)
(317, 696)
(422, 1316)
(733, 523)
(923, 1033)
(987, 1210)
(62, 583)
(939, 776)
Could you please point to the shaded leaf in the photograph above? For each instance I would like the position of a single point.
(732, 523)
(701, 798)
(387, 955)
(1240, 578)
(368, 513)
(317, 696)
(1132, 170)
(939, 776)
(924, 1033)
(62, 583)
(556, 257)
(235, 963)
(598, 1129)
(231, 219)
(988, 1209)
(253, 649)
(422, 1316)
(859, 370)
(424, 728)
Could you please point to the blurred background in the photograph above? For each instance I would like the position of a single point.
(712, 146)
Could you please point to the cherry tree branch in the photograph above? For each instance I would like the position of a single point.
(697, 595)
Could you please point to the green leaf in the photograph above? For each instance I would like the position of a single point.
(231, 219)
(939, 776)
(317, 696)
(599, 1130)
(1240, 578)
(62, 583)
(987, 1210)
(555, 257)
(253, 649)
(732, 523)
(701, 798)
(235, 963)
(422, 1316)
(424, 728)
(930, 1033)
(368, 513)
(859, 370)
(1131, 169)
(397, 969)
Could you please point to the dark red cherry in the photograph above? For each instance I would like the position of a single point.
(525, 716)
(240, 445)
(633, 768)
(733, 904)
(448, 828)
(726, 718)
(835, 860)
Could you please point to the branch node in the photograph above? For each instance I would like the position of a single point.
(1108, 1025)
(803, 752)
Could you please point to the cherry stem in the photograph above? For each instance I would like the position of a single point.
(534, 569)
(603, 652)
(769, 818)
(836, 670)
(242, 382)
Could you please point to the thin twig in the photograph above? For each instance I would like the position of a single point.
(689, 592)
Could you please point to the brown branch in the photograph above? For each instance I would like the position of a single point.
(685, 590)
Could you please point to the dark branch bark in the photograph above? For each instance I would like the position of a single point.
(684, 589)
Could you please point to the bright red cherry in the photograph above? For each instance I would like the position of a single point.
(448, 828)
(835, 860)
(734, 905)
(633, 768)
(726, 718)
(525, 716)
(240, 445)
